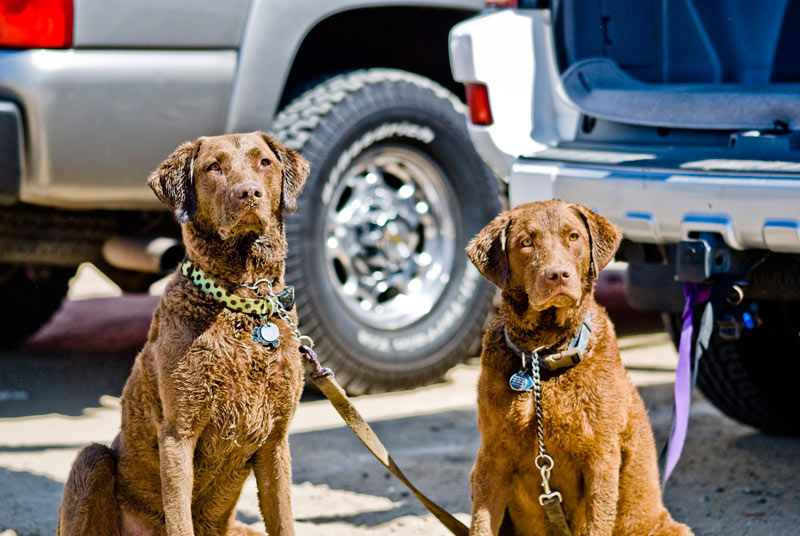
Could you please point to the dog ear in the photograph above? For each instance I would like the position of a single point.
(604, 238)
(487, 250)
(173, 181)
(295, 172)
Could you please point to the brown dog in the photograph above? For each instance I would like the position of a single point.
(545, 257)
(205, 404)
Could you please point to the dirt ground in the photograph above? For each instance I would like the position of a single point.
(59, 392)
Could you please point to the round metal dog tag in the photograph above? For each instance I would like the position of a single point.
(267, 335)
(521, 382)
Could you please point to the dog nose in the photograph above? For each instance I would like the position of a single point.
(557, 274)
(248, 191)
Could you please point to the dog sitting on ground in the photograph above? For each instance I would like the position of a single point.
(545, 256)
(206, 402)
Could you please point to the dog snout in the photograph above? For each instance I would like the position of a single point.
(248, 192)
(558, 275)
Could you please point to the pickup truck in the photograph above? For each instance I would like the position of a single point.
(95, 93)
(680, 123)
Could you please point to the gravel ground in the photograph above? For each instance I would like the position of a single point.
(59, 392)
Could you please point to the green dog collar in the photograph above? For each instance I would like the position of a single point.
(255, 306)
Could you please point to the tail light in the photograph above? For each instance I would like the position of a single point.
(502, 3)
(480, 113)
(35, 23)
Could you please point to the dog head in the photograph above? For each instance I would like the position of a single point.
(550, 250)
(233, 184)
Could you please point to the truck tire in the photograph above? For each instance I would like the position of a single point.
(376, 248)
(34, 293)
(753, 380)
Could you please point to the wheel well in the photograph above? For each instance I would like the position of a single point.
(409, 38)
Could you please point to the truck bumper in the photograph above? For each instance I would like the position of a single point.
(662, 206)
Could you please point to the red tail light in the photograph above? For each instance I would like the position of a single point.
(35, 23)
(480, 113)
(502, 3)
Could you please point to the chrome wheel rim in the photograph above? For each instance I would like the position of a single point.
(390, 237)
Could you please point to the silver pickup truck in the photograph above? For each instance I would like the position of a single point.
(680, 122)
(95, 93)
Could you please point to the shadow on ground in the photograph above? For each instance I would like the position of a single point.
(36, 383)
(84, 352)
(28, 503)
(434, 451)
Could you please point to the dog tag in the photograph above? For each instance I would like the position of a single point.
(521, 382)
(267, 335)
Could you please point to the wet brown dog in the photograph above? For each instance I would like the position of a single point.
(205, 405)
(545, 257)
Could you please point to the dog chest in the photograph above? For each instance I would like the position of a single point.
(568, 413)
(247, 384)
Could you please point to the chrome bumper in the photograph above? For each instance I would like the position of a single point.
(760, 211)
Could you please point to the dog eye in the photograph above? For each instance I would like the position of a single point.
(526, 243)
(573, 236)
(265, 162)
(213, 166)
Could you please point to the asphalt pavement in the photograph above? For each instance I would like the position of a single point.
(60, 391)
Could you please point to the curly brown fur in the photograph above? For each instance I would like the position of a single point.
(205, 405)
(545, 256)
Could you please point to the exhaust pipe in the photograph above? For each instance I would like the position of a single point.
(152, 255)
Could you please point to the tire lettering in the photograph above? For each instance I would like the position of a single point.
(447, 320)
(373, 342)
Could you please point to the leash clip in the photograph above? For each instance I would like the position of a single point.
(318, 371)
(547, 498)
(545, 465)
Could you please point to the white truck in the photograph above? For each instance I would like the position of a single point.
(679, 122)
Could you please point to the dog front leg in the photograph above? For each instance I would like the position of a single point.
(272, 465)
(489, 496)
(602, 493)
(175, 456)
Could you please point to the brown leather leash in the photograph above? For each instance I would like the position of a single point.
(556, 517)
(324, 380)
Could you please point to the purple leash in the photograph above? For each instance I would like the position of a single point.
(686, 373)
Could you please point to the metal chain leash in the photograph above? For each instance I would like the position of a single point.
(306, 342)
(543, 461)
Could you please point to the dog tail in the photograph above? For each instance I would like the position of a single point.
(89, 504)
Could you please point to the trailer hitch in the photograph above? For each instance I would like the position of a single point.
(706, 259)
